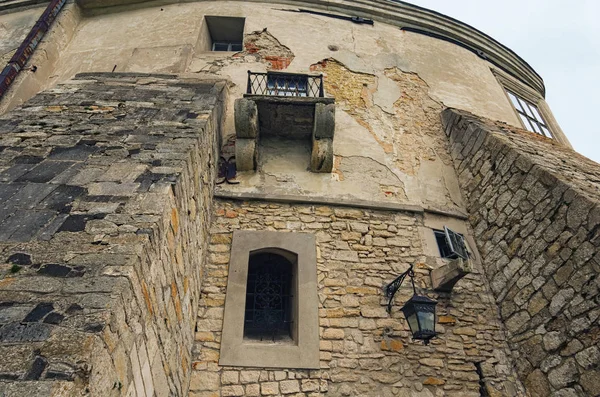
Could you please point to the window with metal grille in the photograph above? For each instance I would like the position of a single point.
(530, 116)
(268, 314)
(287, 84)
(451, 244)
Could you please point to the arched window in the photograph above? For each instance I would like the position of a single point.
(271, 314)
(268, 314)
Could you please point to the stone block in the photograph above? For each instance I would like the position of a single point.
(324, 123)
(289, 386)
(232, 391)
(249, 376)
(333, 333)
(253, 390)
(590, 381)
(230, 377)
(564, 375)
(269, 388)
(246, 154)
(246, 119)
(204, 381)
(445, 277)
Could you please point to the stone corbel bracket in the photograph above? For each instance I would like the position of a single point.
(444, 278)
(247, 130)
(321, 159)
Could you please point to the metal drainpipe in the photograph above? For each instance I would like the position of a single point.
(25, 50)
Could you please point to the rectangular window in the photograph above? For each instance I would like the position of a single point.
(530, 116)
(226, 33)
(269, 306)
(451, 244)
(271, 314)
(224, 46)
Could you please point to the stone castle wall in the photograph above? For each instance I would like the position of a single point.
(535, 210)
(106, 189)
(363, 350)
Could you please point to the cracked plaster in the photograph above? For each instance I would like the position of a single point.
(374, 117)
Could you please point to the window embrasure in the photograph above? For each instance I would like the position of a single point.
(226, 33)
(271, 308)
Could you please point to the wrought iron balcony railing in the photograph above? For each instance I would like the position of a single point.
(285, 84)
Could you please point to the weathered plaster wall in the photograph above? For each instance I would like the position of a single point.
(364, 351)
(28, 83)
(535, 211)
(457, 77)
(13, 29)
(388, 132)
(105, 198)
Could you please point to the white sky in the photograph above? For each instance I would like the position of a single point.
(560, 39)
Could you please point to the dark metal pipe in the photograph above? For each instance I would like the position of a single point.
(28, 46)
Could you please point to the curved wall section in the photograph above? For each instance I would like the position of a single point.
(390, 86)
(403, 14)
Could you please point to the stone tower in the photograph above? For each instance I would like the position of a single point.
(210, 199)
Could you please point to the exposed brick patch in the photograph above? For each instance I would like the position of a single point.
(269, 49)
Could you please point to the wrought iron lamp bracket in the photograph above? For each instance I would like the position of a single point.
(394, 286)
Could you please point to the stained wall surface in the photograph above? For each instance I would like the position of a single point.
(390, 86)
(14, 27)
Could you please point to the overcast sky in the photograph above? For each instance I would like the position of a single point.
(560, 39)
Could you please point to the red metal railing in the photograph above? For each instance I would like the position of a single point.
(25, 50)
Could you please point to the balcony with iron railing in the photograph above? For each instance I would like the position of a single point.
(285, 85)
(285, 109)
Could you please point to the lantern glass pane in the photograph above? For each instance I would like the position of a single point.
(426, 320)
(412, 322)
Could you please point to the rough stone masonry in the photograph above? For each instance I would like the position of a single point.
(535, 209)
(105, 191)
(364, 351)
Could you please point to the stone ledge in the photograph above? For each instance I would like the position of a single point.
(355, 203)
(298, 101)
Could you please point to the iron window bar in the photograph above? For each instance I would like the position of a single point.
(456, 243)
(285, 84)
(268, 299)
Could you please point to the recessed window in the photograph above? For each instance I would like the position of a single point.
(271, 314)
(226, 33)
(530, 116)
(451, 244)
(268, 315)
(227, 46)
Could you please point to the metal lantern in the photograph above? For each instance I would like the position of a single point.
(419, 310)
(420, 314)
